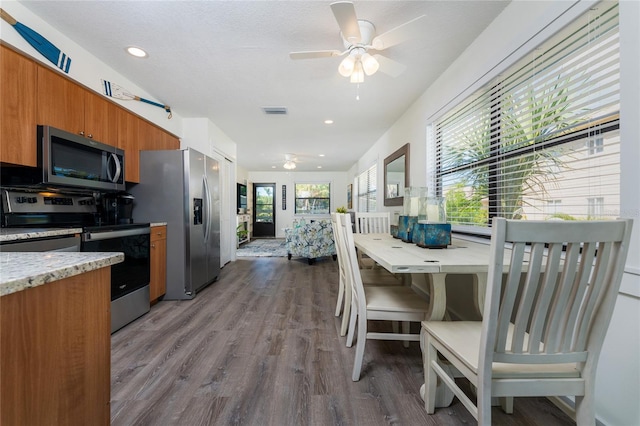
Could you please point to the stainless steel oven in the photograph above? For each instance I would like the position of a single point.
(129, 279)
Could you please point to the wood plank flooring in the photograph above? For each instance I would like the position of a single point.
(261, 346)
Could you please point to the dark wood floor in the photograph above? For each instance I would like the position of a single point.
(261, 347)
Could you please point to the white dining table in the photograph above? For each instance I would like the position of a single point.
(462, 256)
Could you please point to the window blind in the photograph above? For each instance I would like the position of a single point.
(541, 141)
(367, 186)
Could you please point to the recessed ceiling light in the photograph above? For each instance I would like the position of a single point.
(319, 167)
(273, 167)
(321, 155)
(137, 52)
(328, 121)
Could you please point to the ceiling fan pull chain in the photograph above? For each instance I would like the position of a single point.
(358, 92)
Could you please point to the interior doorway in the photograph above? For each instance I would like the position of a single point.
(264, 210)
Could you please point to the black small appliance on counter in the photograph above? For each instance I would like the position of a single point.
(117, 208)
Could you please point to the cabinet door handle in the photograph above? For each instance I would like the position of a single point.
(90, 136)
(81, 133)
(153, 246)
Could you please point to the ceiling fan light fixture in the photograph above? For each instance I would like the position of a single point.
(346, 66)
(289, 165)
(369, 64)
(357, 76)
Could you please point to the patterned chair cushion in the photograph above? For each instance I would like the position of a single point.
(310, 240)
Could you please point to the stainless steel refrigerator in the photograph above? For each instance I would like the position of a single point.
(181, 188)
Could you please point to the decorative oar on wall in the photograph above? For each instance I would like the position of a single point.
(119, 92)
(41, 44)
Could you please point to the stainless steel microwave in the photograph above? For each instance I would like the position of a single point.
(67, 159)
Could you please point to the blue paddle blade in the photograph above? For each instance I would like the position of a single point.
(44, 46)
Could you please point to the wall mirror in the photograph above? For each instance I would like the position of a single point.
(396, 176)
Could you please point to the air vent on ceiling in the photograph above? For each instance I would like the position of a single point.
(275, 110)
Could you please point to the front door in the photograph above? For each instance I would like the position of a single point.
(264, 210)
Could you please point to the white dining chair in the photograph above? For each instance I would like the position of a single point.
(544, 322)
(389, 303)
(371, 223)
(369, 277)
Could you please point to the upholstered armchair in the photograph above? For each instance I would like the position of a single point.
(310, 240)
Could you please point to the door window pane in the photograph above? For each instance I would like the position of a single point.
(264, 204)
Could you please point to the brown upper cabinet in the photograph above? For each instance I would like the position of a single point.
(17, 109)
(169, 141)
(151, 137)
(68, 106)
(128, 141)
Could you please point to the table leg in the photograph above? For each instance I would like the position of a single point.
(437, 295)
(479, 290)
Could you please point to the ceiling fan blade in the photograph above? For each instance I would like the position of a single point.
(389, 66)
(315, 54)
(398, 34)
(345, 14)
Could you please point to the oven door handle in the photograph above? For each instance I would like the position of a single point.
(207, 210)
(108, 235)
(116, 161)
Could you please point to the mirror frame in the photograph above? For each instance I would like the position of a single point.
(403, 150)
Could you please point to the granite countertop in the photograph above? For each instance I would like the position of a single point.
(15, 234)
(20, 271)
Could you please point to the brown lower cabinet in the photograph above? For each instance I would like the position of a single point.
(55, 352)
(158, 284)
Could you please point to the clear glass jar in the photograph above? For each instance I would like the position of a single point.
(412, 200)
(433, 210)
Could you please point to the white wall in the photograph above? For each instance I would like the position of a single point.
(242, 175)
(522, 26)
(284, 218)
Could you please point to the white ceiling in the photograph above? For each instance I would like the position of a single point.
(225, 60)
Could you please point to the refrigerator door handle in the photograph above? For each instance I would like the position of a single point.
(207, 209)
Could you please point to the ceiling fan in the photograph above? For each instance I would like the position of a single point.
(359, 37)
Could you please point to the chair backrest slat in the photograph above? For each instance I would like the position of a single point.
(570, 283)
(594, 295)
(559, 310)
(509, 297)
(546, 282)
(527, 298)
